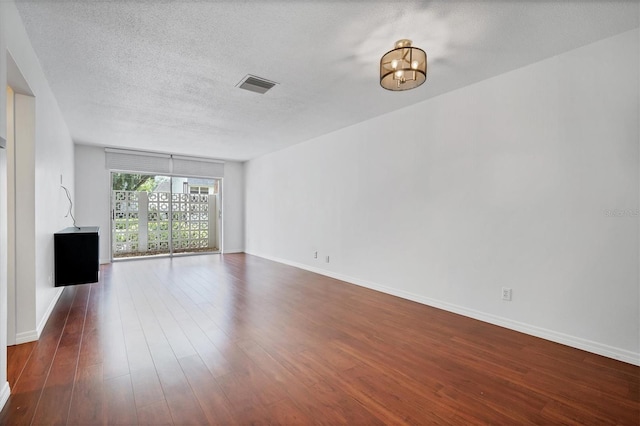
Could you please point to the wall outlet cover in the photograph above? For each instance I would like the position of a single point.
(506, 293)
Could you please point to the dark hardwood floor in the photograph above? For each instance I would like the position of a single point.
(236, 339)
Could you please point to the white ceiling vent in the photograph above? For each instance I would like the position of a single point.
(255, 84)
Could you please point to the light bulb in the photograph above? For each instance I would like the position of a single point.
(394, 64)
(414, 65)
(399, 74)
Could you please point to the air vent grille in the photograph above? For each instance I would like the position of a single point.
(255, 84)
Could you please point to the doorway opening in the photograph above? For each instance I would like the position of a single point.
(18, 209)
(158, 215)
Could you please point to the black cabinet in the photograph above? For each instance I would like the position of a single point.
(76, 255)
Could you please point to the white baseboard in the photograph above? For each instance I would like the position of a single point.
(554, 336)
(230, 251)
(33, 335)
(104, 261)
(26, 336)
(4, 395)
(47, 313)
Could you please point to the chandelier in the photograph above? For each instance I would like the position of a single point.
(404, 67)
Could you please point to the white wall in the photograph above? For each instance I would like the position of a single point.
(503, 183)
(23, 289)
(233, 208)
(4, 384)
(8, 211)
(53, 155)
(92, 205)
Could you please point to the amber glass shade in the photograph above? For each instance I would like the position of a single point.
(404, 67)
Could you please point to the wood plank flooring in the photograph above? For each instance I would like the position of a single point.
(237, 339)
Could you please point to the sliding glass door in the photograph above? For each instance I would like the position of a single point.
(195, 215)
(164, 215)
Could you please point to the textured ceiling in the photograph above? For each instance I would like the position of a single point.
(161, 75)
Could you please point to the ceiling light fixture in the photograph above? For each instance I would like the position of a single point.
(404, 67)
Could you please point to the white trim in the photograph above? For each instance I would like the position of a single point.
(5, 393)
(554, 336)
(231, 251)
(32, 335)
(26, 336)
(104, 261)
(47, 314)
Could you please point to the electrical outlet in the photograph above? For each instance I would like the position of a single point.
(315, 254)
(327, 259)
(506, 294)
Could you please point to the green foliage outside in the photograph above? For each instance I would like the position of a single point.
(136, 182)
